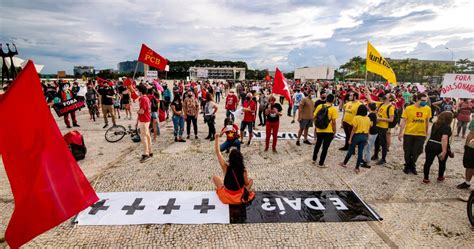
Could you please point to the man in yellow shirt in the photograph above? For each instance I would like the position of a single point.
(413, 130)
(385, 115)
(324, 135)
(350, 110)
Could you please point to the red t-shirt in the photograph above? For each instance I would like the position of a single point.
(145, 105)
(249, 116)
(231, 134)
(231, 102)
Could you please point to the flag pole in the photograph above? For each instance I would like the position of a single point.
(366, 64)
(134, 72)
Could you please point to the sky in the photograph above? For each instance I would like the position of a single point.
(266, 34)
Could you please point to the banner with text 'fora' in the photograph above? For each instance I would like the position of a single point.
(127, 208)
(152, 58)
(378, 65)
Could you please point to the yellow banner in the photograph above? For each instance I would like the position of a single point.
(378, 65)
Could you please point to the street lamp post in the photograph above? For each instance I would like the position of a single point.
(452, 56)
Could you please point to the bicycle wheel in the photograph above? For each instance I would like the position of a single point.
(115, 133)
(470, 208)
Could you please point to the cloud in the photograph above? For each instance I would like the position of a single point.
(283, 33)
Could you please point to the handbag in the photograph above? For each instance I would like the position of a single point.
(245, 194)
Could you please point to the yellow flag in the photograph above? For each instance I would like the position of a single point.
(378, 65)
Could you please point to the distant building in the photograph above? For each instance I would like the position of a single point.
(221, 73)
(109, 70)
(82, 70)
(314, 73)
(129, 66)
(61, 74)
(450, 63)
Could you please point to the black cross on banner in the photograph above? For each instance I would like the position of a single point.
(170, 206)
(204, 207)
(97, 207)
(135, 206)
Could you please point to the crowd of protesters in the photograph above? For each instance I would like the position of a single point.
(371, 114)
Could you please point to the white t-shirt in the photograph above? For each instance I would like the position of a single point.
(297, 98)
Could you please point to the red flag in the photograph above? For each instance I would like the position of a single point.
(280, 86)
(152, 58)
(47, 184)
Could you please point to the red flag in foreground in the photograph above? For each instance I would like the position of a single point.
(152, 58)
(280, 86)
(47, 184)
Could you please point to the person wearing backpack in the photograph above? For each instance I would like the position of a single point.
(413, 131)
(385, 115)
(325, 122)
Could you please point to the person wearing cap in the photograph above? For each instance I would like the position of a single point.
(413, 131)
(326, 135)
(231, 102)
(249, 109)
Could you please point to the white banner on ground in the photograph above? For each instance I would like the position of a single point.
(260, 135)
(128, 208)
(458, 86)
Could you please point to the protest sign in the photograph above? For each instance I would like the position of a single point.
(458, 86)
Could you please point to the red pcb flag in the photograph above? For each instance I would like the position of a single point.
(280, 86)
(152, 58)
(47, 184)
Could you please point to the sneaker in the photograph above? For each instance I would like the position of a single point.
(381, 162)
(293, 122)
(413, 171)
(105, 126)
(211, 139)
(182, 140)
(298, 143)
(322, 166)
(307, 142)
(208, 137)
(374, 158)
(175, 139)
(356, 170)
(343, 149)
(144, 158)
(463, 185)
(406, 171)
(248, 143)
(151, 155)
(440, 179)
(68, 126)
(76, 125)
(274, 150)
(196, 137)
(314, 162)
(365, 165)
(426, 181)
(342, 165)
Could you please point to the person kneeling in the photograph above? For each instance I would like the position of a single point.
(231, 131)
(234, 188)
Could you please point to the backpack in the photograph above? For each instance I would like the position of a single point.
(322, 118)
(154, 105)
(396, 117)
(75, 142)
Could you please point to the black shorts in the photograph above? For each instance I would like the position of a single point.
(468, 158)
(246, 124)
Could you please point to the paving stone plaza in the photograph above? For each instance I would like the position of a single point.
(414, 215)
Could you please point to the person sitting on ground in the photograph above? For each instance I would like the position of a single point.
(358, 137)
(236, 183)
(231, 131)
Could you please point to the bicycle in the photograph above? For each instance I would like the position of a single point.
(117, 132)
(470, 208)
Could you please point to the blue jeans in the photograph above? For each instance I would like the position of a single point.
(368, 148)
(359, 140)
(178, 123)
(227, 144)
